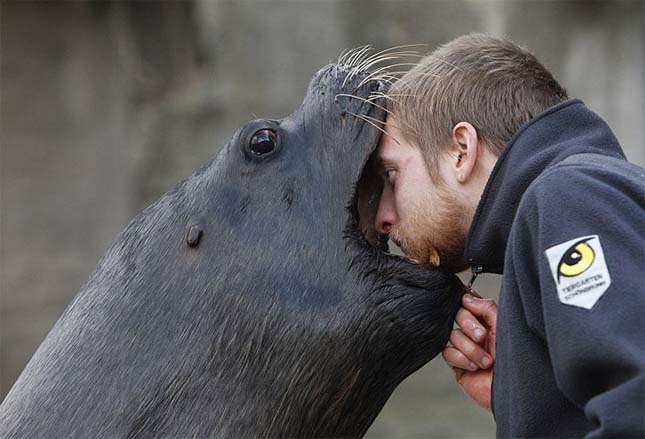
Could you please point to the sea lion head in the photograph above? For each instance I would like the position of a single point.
(254, 299)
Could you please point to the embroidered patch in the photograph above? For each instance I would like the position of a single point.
(579, 271)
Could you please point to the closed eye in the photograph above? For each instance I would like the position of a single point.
(389, 175)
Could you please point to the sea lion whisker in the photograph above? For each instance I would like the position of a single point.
(389, 96)
(351, 54)
(367, 65)
(377, 54)
(402, 72)
(357, 62)
(373, 119)
(384, 78)
(384, 70)
(364, 100)
(388, 51)
(372, 60)
(375, 126)
(403, 54)
(351, 63)
(342, 56)
(391, 79)
(381, 95)
(398, 95)
(380, 69)
(375, 73)
(365, 116)
(359, 59)
(354, 52)
(363, 57)
(353, 72)
(381, 77)
(382, 122)
(376, 76)
(353, 60)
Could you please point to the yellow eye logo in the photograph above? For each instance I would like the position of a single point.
(576, 260)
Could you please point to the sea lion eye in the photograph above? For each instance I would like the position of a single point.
(263, 142)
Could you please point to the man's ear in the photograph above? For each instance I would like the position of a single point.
(466, 147)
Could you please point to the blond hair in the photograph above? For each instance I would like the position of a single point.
(486, 81)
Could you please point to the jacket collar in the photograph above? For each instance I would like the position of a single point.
(563, 130)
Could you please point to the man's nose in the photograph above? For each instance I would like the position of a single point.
(386, 215)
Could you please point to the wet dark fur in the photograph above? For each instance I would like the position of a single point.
(283, 322)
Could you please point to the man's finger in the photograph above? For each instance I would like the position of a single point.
(470, 325)
(456, 359)
(471, 350)
(472, 292)
(484, 308)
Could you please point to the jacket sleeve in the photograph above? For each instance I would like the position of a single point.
(584, 228)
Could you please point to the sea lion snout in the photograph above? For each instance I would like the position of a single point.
(352, 91)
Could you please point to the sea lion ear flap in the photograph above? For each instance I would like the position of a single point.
(369, 189)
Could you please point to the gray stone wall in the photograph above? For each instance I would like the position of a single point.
(103, 106)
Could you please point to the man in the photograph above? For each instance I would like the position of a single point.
(487, 164)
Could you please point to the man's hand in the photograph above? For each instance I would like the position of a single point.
(471, 351)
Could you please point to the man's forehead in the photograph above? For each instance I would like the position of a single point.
(390, 147)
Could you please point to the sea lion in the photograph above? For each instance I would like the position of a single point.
(250, 300)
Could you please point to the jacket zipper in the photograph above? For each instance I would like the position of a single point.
(476, 270)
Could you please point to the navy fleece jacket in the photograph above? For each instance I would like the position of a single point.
(563, 219)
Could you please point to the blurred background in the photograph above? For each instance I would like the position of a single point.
(105, 105)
